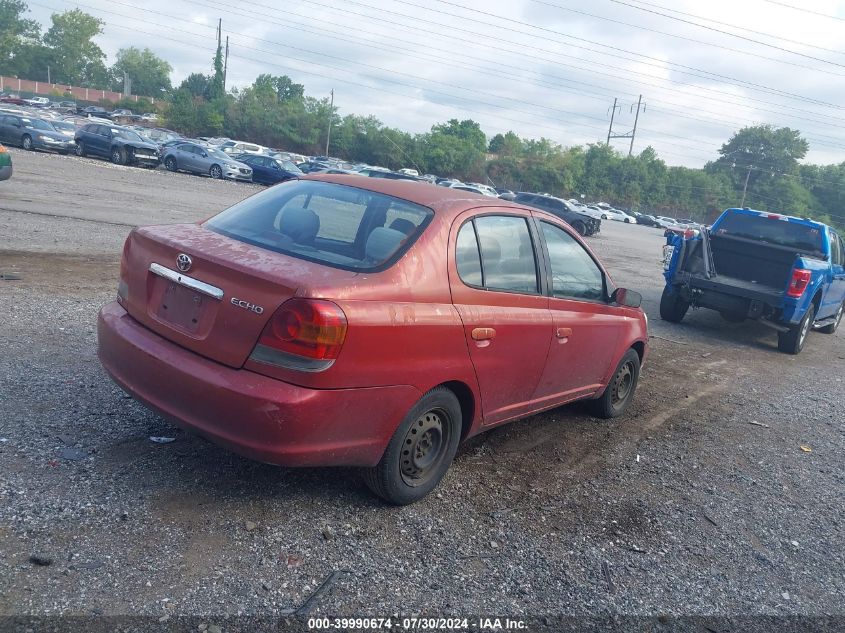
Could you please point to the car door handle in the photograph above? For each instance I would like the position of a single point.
(483, 334)
(563, 332)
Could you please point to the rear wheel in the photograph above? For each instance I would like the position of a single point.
(580, 228)
(830, 329)
(215, 172)
(80, 149)
(673, 307)
(118, 156)
(170, 163)
(420, 451)
(620, 391)
(792, 341)
(26, 142)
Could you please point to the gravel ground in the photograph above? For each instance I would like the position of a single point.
(700, 501)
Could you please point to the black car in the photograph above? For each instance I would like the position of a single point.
(311, 167)
(267, 170)
(583, 224)
(647, 220)
(33, 133)
(122, 145)
(96, 111)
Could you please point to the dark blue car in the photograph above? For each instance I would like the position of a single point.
(268, 170)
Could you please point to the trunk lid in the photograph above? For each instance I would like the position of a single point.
(220, 303)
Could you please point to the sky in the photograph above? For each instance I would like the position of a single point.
(541, 68)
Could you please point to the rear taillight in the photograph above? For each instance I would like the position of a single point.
(303, 334)
(799, 282)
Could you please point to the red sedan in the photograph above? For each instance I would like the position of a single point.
(343, 320)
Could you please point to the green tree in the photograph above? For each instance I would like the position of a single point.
(196, 84)
(17, 35)
(77, 60)
(149, 73)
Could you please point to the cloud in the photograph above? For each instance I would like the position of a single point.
(525, 65)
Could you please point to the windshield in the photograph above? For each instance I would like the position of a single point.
(128, 135)
(344, 227)
(38, 124)
(772, 230)
(64, 125)
(216, 153)
(289, 166)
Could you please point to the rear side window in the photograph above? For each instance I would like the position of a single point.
(333, 224)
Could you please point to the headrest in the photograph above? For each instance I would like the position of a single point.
(382, 243)
(404, 225)
(301, 225)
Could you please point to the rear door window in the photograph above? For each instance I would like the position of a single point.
(338, 225)
(496, 252)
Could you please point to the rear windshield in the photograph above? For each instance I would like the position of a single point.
(337, 225)
(772, 230)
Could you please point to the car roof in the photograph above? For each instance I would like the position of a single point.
(445, 200)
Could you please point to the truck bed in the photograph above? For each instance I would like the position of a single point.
(739, 287)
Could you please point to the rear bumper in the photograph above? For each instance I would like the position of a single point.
(261, 418)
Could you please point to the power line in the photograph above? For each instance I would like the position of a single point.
(713, 28)
(608, 46)
(739, 28)
(818, 13)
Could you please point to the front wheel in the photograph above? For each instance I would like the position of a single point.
(118, 156)
(80, 149)
(26, 142)
(420, 451)
(792, 341)
(215, 172)
(580, 228)
(619, 393)
(830, 329)
(673, 307)
(170, 163)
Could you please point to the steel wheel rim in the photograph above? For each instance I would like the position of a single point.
(424, 448)
(623, 382)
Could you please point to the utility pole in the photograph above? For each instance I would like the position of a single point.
(219, 31)
(612, 114)
(636, 118)
(127, 85)
(48, 74)
(225, 63)
(631, 134)
(745, 186)
(331, 116)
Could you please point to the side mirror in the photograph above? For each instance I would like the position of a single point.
(625, 297)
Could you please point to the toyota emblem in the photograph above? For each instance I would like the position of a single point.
(183, 262)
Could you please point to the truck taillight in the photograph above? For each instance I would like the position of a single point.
(303, 334)
(799, 282)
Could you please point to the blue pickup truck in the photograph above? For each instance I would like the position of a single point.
(784, 271)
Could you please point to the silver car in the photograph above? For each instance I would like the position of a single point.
(205, 160)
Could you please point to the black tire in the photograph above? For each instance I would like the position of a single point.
(26, 142)
(80, 149)
(118, 156)
(830, 329)
(603, 216)
(216, 172)
(170, 163)
(792, 341)
(673, 307)
(420, 451)
(580, 228)
(620, 390)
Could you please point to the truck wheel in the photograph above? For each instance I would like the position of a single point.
(673, 307)
(792, 341)
(830, 329)
(620, 391)
(420, 451)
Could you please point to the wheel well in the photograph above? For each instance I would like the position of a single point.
(817, 300)
(639, 348)
(467, 402)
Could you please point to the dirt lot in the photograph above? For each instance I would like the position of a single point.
(699, 502)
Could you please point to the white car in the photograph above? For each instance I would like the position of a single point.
(591, 211)
(38, 101)
(487, 190)
(666, 222)
(408, 171)
(610, 213)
